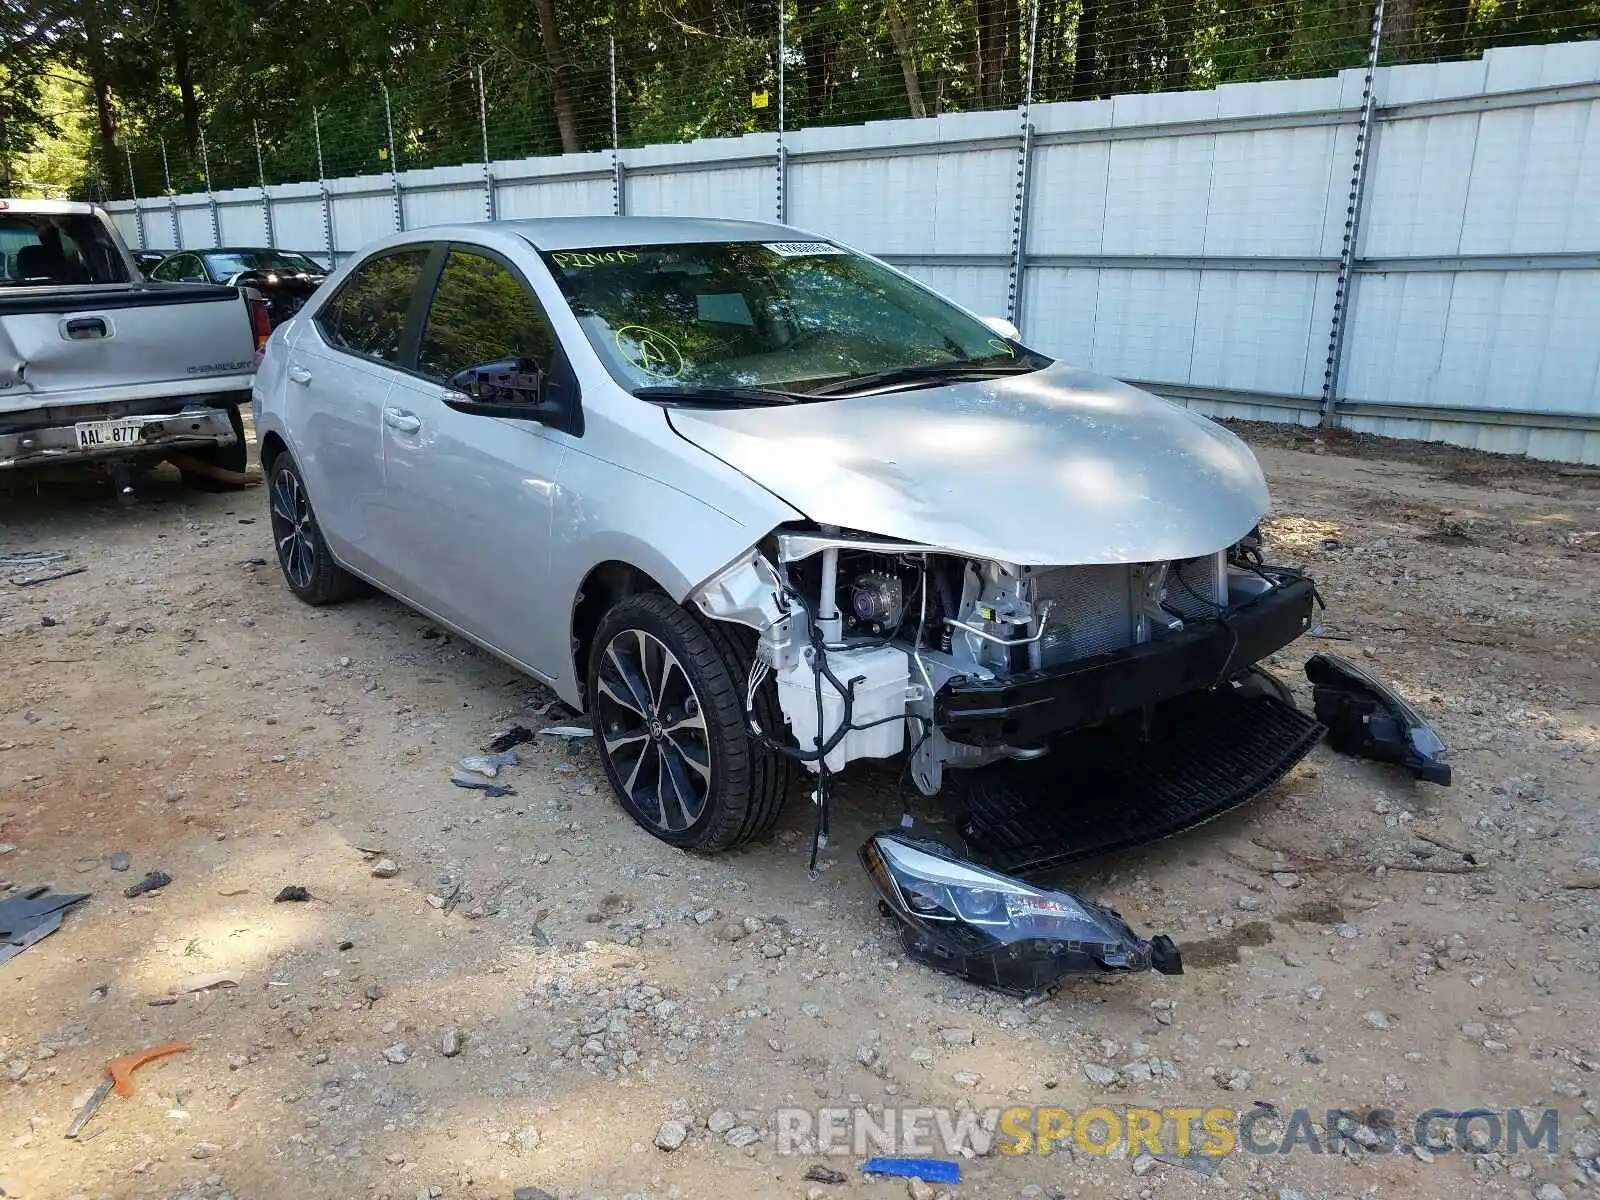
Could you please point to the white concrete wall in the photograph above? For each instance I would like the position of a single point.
(1183, 240)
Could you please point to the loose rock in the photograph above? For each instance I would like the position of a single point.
(671, 1135)
(450, 1043)
(385, 868)
(1377, 1019)
(398, 1053)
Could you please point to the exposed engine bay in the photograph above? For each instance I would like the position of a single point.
(879, 648)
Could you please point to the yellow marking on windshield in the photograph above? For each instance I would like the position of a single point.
(1001, 347)
(573, 259)
(649, 350)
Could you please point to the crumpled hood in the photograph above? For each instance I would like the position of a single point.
(1060, 467)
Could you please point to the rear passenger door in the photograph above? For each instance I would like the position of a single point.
(341, 367)
(474, 493)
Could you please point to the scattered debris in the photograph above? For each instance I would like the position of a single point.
(450, 1043)
(929, 1170)
(488, 765)
(818, 1174)
(51, 577)
(531, 1193)
(1367, 719)
(293, 892)
(31, 916)
(476, 783)
(7, 847)
(119, 1077)
(203, 983)
(1200, 1164)
(517, 735)
(153, 882)
(568, 731)
(120, 861)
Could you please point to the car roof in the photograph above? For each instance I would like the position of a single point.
(575, 233)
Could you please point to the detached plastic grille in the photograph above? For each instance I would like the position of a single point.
(1106, 790)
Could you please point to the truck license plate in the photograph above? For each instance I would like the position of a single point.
(95, 434)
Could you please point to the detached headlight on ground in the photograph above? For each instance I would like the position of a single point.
(999, 931)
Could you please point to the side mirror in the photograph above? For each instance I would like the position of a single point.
(508, 387)
(1003, 327)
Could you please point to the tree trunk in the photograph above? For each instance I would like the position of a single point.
(1456, 16)
(906, 52)
(1086, 55)
(95, 60)
(188, 102)
(1399, 30)
(1175, 76)
(555, 57)
(991, 52)
(818, 48)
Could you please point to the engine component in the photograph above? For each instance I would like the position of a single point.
(877, 601)
(1367, 719)
(877, 716)
(999, 931)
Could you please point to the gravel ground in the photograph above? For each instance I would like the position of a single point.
(528, 992)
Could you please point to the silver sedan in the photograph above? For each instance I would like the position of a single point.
(761, 504)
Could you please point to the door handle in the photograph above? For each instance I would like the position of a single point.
(399, 419)
(81, 329)
(299, 374)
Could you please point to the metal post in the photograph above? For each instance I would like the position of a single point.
(1343, 288)
(211, 196)
(322, 185)
(172, 199)
(618, 185)
(488, 171)
(1019, 207)
(138, 209)
(394, 163)
(783, 162)
(266, 198)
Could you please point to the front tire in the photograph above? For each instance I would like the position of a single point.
(666, 696)
(308, 568)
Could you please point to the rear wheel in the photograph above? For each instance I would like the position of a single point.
(666, 696)
(234, 458)
(308, 568)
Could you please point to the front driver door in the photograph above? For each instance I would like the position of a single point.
(474, 495)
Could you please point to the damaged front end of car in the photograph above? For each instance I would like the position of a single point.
(998, 931)
(969, 666)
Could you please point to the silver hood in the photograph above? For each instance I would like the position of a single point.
(1059, 467)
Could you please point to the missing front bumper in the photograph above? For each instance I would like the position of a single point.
(1031, 708)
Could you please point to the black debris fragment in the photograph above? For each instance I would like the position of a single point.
(294, 892)
(517, 735)
(1367, 719)
(32, 915)
(817, 1174)
(475, 783)
(154, 881)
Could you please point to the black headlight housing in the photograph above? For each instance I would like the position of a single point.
(999, 931)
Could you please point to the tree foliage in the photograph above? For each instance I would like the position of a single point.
(152, 93)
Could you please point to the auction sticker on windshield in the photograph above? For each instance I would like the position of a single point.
(650, 351)
(801, 249)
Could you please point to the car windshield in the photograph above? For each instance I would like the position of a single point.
(234, 261)
(796, 317)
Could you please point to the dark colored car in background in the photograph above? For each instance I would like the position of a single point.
(285, 278)
(148, 260)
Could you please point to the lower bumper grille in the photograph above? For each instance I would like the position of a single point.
(1107, 790)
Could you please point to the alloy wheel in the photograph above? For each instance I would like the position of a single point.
(292, 529)
(653, 730)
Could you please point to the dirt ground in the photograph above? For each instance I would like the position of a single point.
(174, 702)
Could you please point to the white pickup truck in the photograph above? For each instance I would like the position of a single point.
(99, 364)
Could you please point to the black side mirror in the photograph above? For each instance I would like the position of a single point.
(508, 387)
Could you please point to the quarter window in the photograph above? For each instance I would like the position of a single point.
(368, 316)
(482, 312)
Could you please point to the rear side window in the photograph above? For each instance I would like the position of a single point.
(57, 248)
(482, 313)
(368, 315)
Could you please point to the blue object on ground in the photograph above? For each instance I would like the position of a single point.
(929, 1170)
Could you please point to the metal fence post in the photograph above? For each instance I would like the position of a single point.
(172, 199)
(1019, 204)
(138, 209)
(1343, 288)
(783, 162)
(211, 196)
(488, 171)
(619, 199)
(322, 185)
(266, 198)
(394, 163)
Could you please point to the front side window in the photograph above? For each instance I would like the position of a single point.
(788, 316)
(368, 314)
(482, 312)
